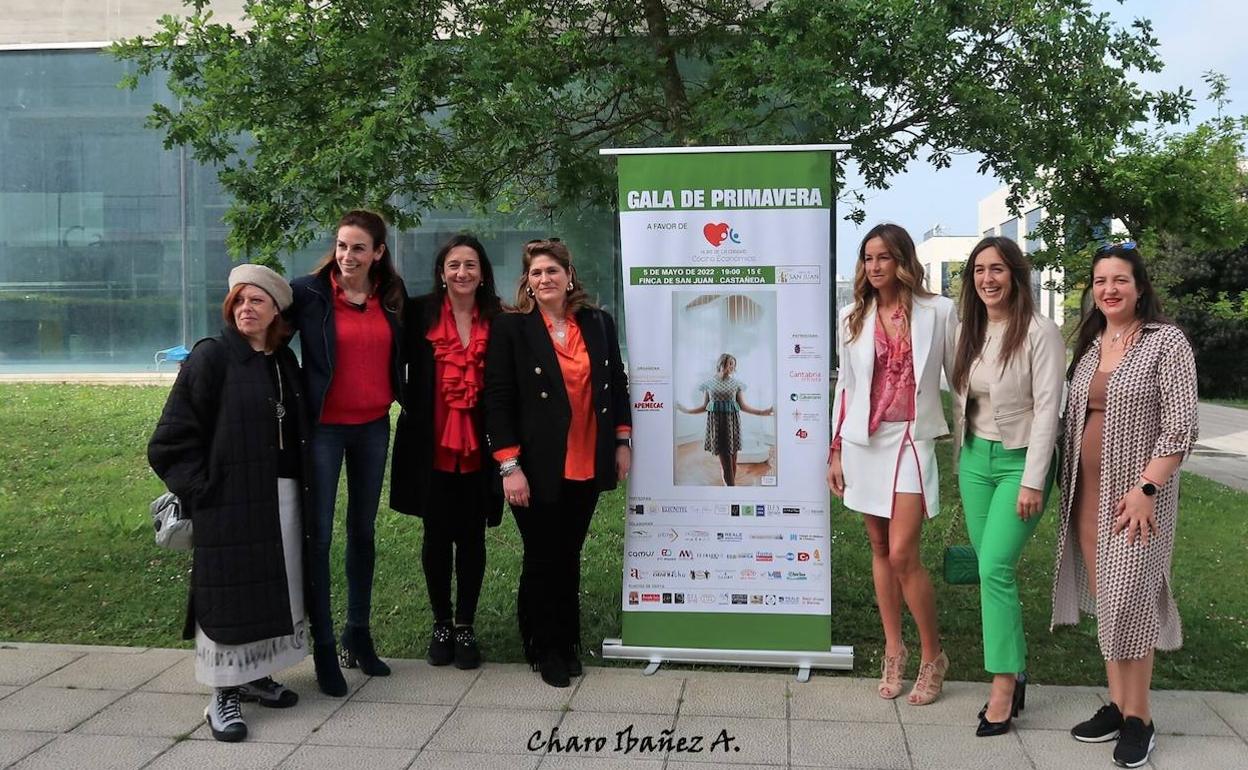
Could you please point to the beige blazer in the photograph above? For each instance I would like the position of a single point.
(1026, 402)
(931, 333)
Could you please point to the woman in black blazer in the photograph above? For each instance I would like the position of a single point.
(558, 423)
(442, 471)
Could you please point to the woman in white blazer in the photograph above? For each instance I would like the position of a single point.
(892, 343)
(1008, 372)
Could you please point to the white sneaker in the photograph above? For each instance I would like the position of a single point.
(224, 715)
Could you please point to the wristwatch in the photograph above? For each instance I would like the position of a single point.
(624, 441)
(1148, 488)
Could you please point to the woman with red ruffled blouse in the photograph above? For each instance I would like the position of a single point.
(441, 469)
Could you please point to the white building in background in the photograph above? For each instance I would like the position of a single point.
(844, 293)
(942, 257)
(995, 218)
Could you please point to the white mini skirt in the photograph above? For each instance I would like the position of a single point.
(894, 462)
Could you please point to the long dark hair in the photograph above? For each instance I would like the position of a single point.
(909, 274)
(975, 315)
(384, 277)
(553, 248)
(488, 303)
(1147, 307)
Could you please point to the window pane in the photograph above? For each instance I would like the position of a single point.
(90, 245)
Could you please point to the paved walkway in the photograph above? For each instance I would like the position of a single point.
(1221, 452)
(117, 707)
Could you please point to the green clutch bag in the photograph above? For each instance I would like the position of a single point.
(961, 565)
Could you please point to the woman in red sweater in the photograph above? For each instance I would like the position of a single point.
(347, 313)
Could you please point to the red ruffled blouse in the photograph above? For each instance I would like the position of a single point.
(458, 374)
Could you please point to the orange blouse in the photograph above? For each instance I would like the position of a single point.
(574, 365)
(573, 358)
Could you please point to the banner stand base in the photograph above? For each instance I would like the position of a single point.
(839, 657)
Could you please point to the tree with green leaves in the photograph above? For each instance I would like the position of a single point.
(313, 107)
(1183, 197)
(1179, 194)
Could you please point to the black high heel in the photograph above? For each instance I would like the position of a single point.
(988, 729)
(358, 652)
(328, 676)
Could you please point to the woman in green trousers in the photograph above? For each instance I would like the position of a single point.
(1007, 391)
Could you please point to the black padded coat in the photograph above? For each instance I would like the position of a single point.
(215, 447)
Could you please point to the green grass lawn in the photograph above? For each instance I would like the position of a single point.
(78, 565)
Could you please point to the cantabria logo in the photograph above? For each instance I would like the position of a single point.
(648, 401)
(718, 232)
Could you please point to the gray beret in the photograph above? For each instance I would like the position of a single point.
(265, 278)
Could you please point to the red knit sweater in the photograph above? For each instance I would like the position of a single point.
(359, 390)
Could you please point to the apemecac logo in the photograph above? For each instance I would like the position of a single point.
(648, 402)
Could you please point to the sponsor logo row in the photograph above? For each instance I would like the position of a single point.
(671, 535)
(637, 574)
(721, 599)
(761, 557)
(721, 509)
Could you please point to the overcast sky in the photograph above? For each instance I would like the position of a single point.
(1195, 37)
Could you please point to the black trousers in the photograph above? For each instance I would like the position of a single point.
(454, 541)
(548, 604)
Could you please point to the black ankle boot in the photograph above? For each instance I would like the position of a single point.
(573, 662)
(357, 651)
(328, 676)
(553, 669)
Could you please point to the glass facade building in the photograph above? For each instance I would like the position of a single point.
(112, 247)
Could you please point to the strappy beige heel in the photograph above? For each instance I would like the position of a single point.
(929, 682)
(892, 669)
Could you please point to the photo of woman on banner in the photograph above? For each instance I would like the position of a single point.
(723, 400)
(725, 448)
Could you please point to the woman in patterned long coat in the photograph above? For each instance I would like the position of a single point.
(723, 401)
(1130, 421)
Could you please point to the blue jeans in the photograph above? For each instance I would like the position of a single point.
(364, 447)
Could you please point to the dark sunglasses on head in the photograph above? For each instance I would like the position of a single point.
(543, 240)
(1125, 245)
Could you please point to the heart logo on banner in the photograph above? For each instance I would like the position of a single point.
(715, 232)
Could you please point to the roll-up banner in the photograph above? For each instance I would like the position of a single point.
(727, 284)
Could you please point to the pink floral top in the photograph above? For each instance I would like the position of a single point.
(892, 384)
